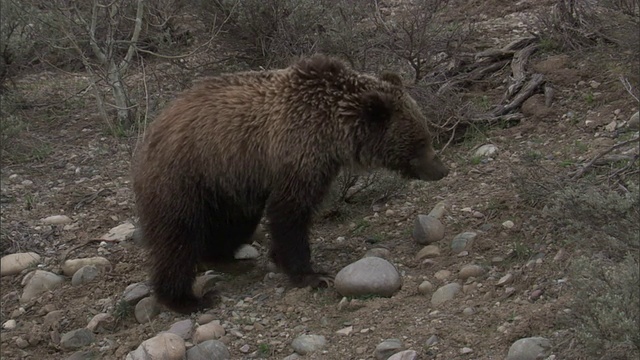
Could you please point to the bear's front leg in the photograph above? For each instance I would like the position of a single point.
(289, 223)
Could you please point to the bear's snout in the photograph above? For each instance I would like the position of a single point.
(430, 169)
(438, 170)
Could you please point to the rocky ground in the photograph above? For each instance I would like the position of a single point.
(461, 268)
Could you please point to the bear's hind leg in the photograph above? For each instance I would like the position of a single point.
(223, 233)
(173, 270)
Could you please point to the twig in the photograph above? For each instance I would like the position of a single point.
(581, 172)
(492, 118)
(628, 87)
(549, 92)
(453, 134)
(627, 167)
(90, 198)
(85, 243)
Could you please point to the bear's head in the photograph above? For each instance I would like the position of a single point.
(398, 136)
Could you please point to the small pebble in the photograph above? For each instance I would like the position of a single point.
(9, 324)
(404, 355)
(507, 279)
(468, 311)
(387, 348)
(425, 287)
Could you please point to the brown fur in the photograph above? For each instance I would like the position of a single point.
(238, 144)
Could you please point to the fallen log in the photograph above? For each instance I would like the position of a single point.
(526, 92)
(518, 64)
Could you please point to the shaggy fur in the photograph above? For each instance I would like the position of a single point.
(236, 145)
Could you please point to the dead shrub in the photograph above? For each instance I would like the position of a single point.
(56, 27)
(575, 24)
(420, 34)
(16, 46)
(278, 30)
(354, 189)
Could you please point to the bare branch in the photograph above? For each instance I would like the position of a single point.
(527, 90)
(92, 33)
(628, 87)
(584, 169)
(134, 38)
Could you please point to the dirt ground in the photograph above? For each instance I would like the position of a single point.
(79, 170)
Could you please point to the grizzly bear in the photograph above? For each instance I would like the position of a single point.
(237, 145)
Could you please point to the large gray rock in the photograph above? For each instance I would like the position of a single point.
(462, 242)
(37, 282)
(387, 348)
(427, 230)
(428, 252)
(368, 276)
(531, 348)
(486, 150)
(165, 346)
(146, 309)
(76, 339)
(246, 252)
(56, 220)
(183, 328)
(14, 263)
(135, 292)
(209, 331)
(121, 232)
(439, 210)
(404, 355)
(306, 344)
(85, 275)
(445, 293)
(70, 267)
(470, 270)
(209, 350)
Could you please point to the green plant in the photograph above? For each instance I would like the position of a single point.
(29, 200)
(122, 310)
(521, 251)
(41, 152)
(475, 160)
(264, 350)
(474, 135)
(532, 156)
(566, 163)
(608, 304)
(361, 226)
(483, 102)
(548, 45)
(580, 146)
(375, 238)
(497, 205)
(589, 98)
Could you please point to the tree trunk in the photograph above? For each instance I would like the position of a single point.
(120, 96)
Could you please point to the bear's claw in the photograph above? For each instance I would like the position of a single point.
(315, 280)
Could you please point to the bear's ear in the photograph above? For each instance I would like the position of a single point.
(391, 77)
(377, 106)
